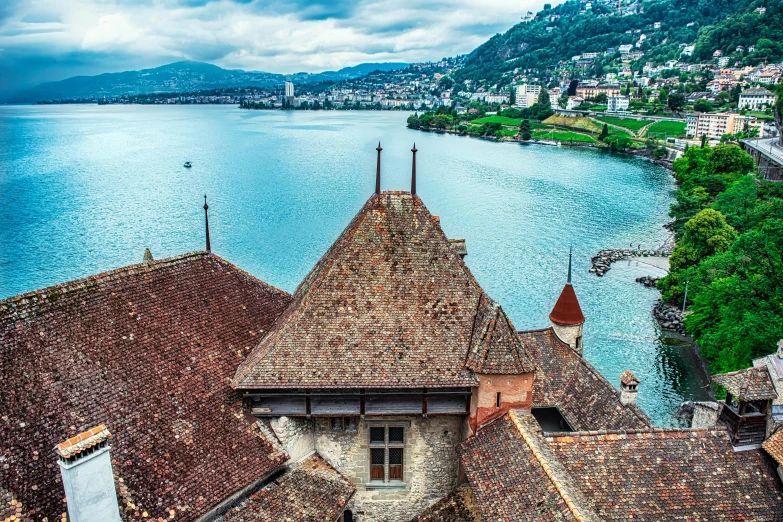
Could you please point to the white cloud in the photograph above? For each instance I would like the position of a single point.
(273, 35)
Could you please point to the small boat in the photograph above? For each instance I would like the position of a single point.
(187, 165)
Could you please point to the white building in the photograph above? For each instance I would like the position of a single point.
(289, 89)
(756, 99)
(574, 102)
(625, 49)
(527, 95)
(714, 125)
(617, 104)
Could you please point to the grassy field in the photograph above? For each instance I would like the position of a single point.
(512, 122)
(508, 133)
(562, 136)
(575, 123)
(666, 129)
(628, 123)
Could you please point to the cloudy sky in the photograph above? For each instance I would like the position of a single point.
(43, 40)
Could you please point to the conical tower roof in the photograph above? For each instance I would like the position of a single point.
(567, 310)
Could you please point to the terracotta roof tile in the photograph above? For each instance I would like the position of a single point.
(567, 381)
(645, 475)
(749, 384)
(774, 446)
(459, 506)
(390, 304)
(496, 347)
(82, 441)
(628, 378)
(148, 351)
(309, 491)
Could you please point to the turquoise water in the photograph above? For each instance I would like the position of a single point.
(86, 189)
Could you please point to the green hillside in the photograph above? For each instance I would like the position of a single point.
(561, 32)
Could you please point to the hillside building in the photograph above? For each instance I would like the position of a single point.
(756, 99)
(527, 95)
(617, 104)
(716, 124)
(587, 91)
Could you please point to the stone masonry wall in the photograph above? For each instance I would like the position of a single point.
(296, 435)
(430, 461)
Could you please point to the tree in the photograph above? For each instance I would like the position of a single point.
(562, 102)
(512, 96)
(572, 87)
(524, 130)
(706, 233)
(543, 98)
(729, 160)
(703, 140)
(604, 133)
(702, 105)
(676, 101)
(663, 96)
(413, 121)
(601, 97)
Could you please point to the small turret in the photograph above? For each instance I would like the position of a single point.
(629, 388)
(566, 316)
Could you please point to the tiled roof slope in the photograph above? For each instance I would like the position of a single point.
(147, 350)
(774, 446)
(690, 474)
(459, 506)
(390, 304)
(508, 478)
(645, 475)
(565, 380)
(496, 347)
(11, 509)
(309, 491)
(750, 384)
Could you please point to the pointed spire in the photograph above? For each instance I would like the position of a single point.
(206, 222)
(413, 171)
(378, 170)
(148, 256)
(570, 249)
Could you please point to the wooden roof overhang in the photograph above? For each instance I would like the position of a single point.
(306, 402)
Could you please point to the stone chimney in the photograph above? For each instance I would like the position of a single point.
(629, 388)
(85, 465)
(780, 348)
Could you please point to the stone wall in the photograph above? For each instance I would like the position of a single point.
(569, 335)
(295, 434)
(430, 468)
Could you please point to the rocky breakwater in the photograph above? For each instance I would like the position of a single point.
(669, 317)
(603, 260)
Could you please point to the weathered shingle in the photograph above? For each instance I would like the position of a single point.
(459, 506)
(567, 381)
(750, 384)
(774, 446)
(390, 304)
(148, 351)
(309, 491)
(519, 473)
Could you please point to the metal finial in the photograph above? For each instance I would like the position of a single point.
(413, 171)
(570, 249)
(378, 170)
(206, 222)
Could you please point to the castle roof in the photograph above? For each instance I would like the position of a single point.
(390, 304)
(774, 446)
(459, 506)
(519, 473)
(567, 310)
(147, 351)
(750, 384)
(310, 490)
(567, 381)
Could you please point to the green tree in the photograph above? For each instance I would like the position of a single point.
(663, 96)
(702, 105)
(512, 95)
(705, 234)
(524, 130)
(676, 101)
(413, 121)
(543, 98)
(604, 133)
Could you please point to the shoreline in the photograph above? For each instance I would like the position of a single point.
(638, 153)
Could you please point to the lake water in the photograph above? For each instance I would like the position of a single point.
(86, 189)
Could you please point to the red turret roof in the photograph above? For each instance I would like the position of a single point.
(567, 310)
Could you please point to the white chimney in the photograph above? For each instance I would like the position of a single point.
(85, 466)
(629, 388)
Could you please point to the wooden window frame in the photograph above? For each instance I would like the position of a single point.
(387, 445)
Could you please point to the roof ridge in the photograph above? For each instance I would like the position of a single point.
(122, 271)
(61, 289)
(596, 433)
(550, 473)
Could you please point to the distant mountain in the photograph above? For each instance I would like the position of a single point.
(184, 76)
